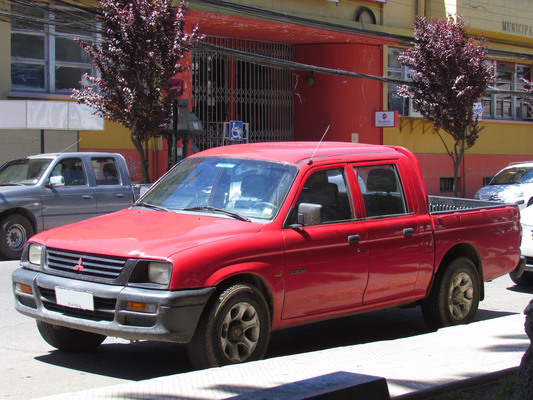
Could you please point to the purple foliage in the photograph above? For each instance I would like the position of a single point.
(142, 47)
(449, 74)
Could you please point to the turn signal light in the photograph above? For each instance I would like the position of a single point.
(20, 287)
(141, 307)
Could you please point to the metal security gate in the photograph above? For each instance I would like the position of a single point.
(226, 89)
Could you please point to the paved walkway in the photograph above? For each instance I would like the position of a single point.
(409, 365)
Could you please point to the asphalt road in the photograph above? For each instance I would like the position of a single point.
(30, 368)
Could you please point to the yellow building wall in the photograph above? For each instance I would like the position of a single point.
(113, 136)
(497, 137)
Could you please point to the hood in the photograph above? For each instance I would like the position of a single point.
(13, 189)
(144, 233)
(497, 191)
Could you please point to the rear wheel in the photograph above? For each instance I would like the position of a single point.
(68, 339)
(526, 279)
(454, 297)
(15, 230)
(234, 329)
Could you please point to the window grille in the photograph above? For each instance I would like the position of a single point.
(226, 89)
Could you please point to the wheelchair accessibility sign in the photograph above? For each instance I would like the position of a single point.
(235, 130)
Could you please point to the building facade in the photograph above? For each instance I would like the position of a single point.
(288, 69)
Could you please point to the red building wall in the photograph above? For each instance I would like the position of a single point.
(344, 103)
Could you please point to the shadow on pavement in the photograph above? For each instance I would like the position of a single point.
(521, 289)
(146, 360)
(136, 361)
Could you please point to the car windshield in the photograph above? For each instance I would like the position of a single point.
(23, 172)
(237, 188)
(515, 175)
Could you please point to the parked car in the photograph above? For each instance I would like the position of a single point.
(49, 190)
(238, 241)
(513, 184)
(526, 219)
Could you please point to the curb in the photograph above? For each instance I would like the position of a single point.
(458, 385)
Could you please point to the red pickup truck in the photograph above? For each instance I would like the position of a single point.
(237, 241)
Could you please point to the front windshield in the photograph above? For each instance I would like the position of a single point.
(23, 172)
(512, 176)
(238, 187)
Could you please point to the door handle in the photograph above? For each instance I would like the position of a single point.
(408, 231)
(87, 196)
(120, 195)
(354, 238)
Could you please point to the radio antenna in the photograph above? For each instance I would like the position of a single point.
(314, 152)
(72, 145)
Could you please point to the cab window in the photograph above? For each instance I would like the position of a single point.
(72, 171)
(381, 189)
(328, 188)
(105, 171)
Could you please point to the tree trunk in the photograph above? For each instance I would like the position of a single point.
(144, 161)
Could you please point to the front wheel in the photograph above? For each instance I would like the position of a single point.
(234, 329)
(15, 230)
(454, 297)
(68, 339)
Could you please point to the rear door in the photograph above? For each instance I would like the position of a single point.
(397, 236)
(111, 193)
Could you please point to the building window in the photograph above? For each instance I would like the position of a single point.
(396, 71)
(446, 185)
(44, 57)
(507, 105)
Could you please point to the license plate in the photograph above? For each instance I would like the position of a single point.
(75, 299)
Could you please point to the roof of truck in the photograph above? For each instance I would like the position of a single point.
(296, 152)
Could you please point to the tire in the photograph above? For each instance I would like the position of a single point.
(68, 339)
(234, 329)
(454, 297)
(525, 280)
(15, 230)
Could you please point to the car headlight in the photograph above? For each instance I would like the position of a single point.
(512, 197)
(159, 272)
(35, 255)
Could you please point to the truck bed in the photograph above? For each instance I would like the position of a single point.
(441, 204)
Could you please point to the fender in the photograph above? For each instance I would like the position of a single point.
(268, 279)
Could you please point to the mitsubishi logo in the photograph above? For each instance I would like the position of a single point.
(79, 266)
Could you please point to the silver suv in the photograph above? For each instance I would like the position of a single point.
(513, 184)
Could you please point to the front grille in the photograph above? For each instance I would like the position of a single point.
(84, 264)
(104, 309)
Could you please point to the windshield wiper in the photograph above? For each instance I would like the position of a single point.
(154, 207)
(11, 184)
(221, 210)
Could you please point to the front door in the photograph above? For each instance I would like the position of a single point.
(73, 202)
(325, 267)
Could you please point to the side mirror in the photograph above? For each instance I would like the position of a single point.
(308, 214)
(56, 181)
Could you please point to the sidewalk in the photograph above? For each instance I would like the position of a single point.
(409, 365)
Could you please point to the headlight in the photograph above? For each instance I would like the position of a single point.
(159, 272)
(513, 195)
(35, 255)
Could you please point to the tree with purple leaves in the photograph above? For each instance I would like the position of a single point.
(449, 74)
(142, 47)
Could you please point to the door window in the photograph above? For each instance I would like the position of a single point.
(72, 171)
(381, 190)
(105, 171)
(328, 188)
